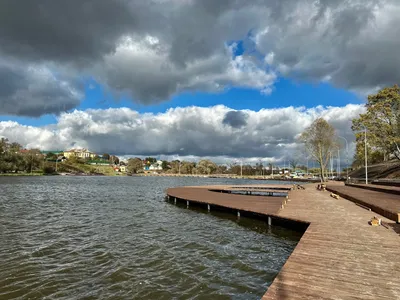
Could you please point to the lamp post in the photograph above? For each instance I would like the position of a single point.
(272, 170)
(366, 157)
(338, 163)
(307, 167)
(347, 157)
(284, 166)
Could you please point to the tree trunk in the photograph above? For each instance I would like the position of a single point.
(322, 172)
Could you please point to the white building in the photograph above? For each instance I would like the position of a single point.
(157, 166)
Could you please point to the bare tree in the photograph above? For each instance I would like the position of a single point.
(293, 163)
(320, 140)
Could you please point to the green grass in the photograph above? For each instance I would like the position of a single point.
(87, 169)
(106, 170)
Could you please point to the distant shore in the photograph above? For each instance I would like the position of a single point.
(230, 176)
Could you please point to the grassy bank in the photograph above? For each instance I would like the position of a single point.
(22, 174)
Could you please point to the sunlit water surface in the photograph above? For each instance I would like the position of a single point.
(67, 237)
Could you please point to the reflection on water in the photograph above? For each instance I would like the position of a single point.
(115, 237)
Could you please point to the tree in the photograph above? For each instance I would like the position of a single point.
(221, 169)
(3, 145)
(234, 168)
(51, 156)
(206, 166)
(13, 158)
(114, 159)
(135, 165)
(31, 160)
(293, 163)
(106, 156)
(301, 167)
(259, 168)
(174, 166)
(248, 170)
(382, 122)
(164, 165)
(320, 140)
(374, 156)
(187, 167)
(150, 160)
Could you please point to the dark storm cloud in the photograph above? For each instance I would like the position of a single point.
(68, 31)
(151, 50)
(34, 91)
(351, 44)
(235, 119)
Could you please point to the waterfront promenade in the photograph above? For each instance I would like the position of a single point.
(340, 256)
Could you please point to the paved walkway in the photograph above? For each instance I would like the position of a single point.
(340, 256)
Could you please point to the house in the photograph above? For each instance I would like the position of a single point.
(157, 166)
(121, 169)
(80, 153)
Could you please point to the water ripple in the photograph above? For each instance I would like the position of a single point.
(104, 237)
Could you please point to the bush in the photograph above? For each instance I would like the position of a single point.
(48, 169)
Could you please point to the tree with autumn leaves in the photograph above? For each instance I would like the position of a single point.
(382, 123)
(320, 141)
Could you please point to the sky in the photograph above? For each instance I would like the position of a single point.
(188, 79)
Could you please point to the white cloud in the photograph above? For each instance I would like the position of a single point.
(190, 132)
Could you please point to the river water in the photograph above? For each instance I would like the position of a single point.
(65, 237)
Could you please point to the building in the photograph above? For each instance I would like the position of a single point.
(121, 169)
(155, 167)
(79, 153)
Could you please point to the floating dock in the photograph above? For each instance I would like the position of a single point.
(340, 256)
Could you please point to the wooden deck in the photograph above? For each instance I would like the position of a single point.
(378, 188)
(340, 256)
(204, 194)
(383, 203)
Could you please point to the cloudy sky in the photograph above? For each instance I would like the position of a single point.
(190, 78)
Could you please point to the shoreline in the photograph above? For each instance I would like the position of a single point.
(229, 176)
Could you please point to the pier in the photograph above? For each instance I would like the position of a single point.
(340, 255)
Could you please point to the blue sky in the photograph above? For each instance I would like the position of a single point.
(285, 93)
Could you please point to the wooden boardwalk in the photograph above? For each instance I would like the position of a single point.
(203, 194)
(384, 203)
(340, 256)
(378, 188)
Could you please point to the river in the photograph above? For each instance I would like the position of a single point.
(66, 237)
